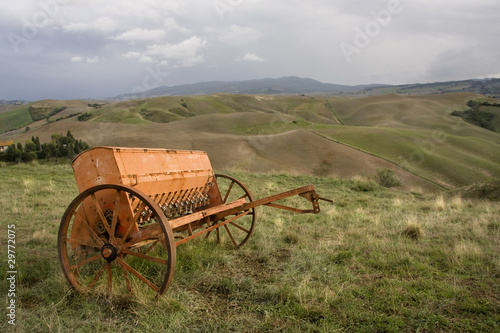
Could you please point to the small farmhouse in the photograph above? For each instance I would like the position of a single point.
(5, 144)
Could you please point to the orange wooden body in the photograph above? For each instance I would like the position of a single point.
(179, 181)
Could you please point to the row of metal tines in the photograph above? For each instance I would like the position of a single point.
(183, 205)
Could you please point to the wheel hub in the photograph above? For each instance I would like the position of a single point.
(109, 252)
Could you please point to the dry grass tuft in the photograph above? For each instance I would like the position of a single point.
(41, 236)
(439, 203)
(397, 202)
(466, 249)
(291, 238)
(412, 231)
(456, 202)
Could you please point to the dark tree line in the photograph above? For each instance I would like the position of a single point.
(477, 117)
(60, 146)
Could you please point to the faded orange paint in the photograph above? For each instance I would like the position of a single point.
(150, 170)
(167, 176)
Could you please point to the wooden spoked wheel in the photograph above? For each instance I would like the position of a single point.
(115, 239)
(240, 228)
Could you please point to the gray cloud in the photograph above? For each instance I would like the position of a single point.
(88, 48)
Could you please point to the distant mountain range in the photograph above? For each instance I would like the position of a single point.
(284, 85)
(296, 85)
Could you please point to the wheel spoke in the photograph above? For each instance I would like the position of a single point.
(151, 246)
(127, 280)
(228, 191)
(230, 235)
(138, 275)
(208, 234)
(110, 277)
(115, 214)
(96, 278)
(209, 224)
(142, 205)
(239, 227)
(86, 261)
(86, 224)
(101, 213)
(144, 256)
(83, 242)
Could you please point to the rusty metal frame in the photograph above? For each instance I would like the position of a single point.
(306, 192)
(240, 208)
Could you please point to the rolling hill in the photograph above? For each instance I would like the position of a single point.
(415, 136)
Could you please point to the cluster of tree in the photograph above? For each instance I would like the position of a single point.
(85, 116)
(68, 116)
(96, 105)
(475, 105)
(60, 146)
(480, 118)
(491, 104)
(477, 117)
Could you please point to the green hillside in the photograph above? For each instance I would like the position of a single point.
(14, 119)
(449, 160)
(39, 113)
(415, 136)
(489, 87)
(168, 109)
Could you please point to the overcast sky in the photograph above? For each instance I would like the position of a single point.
(65, 49)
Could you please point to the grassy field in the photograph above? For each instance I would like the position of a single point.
(169, 108)
(377, 260)
(14, 119)
(448, 159)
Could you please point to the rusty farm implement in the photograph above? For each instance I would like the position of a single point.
(137, 205)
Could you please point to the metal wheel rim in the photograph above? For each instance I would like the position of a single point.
(240, 230)
(125, 267)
